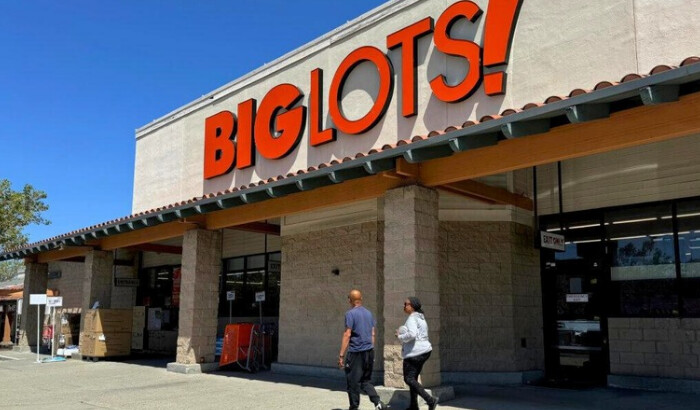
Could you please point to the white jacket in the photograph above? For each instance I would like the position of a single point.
(414, 336)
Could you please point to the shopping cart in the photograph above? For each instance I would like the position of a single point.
(241, 346)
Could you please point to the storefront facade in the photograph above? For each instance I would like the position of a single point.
(388, 156)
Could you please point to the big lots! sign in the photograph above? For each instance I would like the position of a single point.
(275, 126)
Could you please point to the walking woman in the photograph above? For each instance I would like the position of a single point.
(415, 350)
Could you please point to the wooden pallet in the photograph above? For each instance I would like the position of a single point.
(101, 358)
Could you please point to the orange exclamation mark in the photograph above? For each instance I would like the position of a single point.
(498, 34)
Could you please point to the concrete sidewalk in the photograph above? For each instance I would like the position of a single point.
(76, 384)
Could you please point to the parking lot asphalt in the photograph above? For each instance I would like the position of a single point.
(136, 384)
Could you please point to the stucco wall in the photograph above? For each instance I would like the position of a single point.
(557, 46)
(491, 298)
(662, 347)
(313, 300)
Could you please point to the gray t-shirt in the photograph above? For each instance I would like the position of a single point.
(360, 321)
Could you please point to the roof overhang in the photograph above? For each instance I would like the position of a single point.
(649, 109)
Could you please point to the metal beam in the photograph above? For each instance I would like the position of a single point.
(346, 174)
(468, 142)
(525, 128)
(587, 112)
(423, 154)
(313, 183)
(659, 94)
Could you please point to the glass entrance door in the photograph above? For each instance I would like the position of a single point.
(574, 305)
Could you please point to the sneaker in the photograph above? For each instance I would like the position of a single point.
(380, 406)
(434, 405)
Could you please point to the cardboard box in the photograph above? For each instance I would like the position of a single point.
(138, 323)
(105, 344)
(108, 320)
(137, 340)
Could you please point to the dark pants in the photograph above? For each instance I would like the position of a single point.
(358, 371)
(412, 367)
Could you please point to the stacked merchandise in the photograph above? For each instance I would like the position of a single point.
(70, 329)
(107, 333)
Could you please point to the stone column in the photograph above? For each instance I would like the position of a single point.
(199, 301)
(97, 282)
(411, 259)
(36, 277)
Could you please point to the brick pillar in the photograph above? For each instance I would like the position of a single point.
(411, 233)
(199, 297)
(36, 277)
(97, 282)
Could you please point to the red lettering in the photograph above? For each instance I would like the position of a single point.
(276, 135)
(498, 35)
(245, 146)
(407, 39)
(219, 149)
(316, 135)
(455, 47)
(386, 87)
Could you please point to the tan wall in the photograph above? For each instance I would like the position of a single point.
(313, 301)
(557, 46)
(655, 347)
(490, 296)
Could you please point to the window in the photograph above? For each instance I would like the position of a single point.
(643, 263)
(650, 253)
(247, 275)
(688, 217)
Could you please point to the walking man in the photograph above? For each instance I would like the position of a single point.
(357, 352)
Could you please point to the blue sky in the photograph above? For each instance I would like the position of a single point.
(78, 77)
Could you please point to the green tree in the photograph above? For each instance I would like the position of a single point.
(8, 269)
(18, 209)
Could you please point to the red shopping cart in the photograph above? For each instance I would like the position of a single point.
(241, 346)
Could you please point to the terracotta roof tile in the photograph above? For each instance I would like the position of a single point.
(578, 91)
(604, 84)
(554, 98)
(660, 69)
(630, 77)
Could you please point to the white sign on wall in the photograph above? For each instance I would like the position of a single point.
(552, 241)
(576, 297)
(260, 296)
(231, 295)
(55, 301)
(37, 299)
